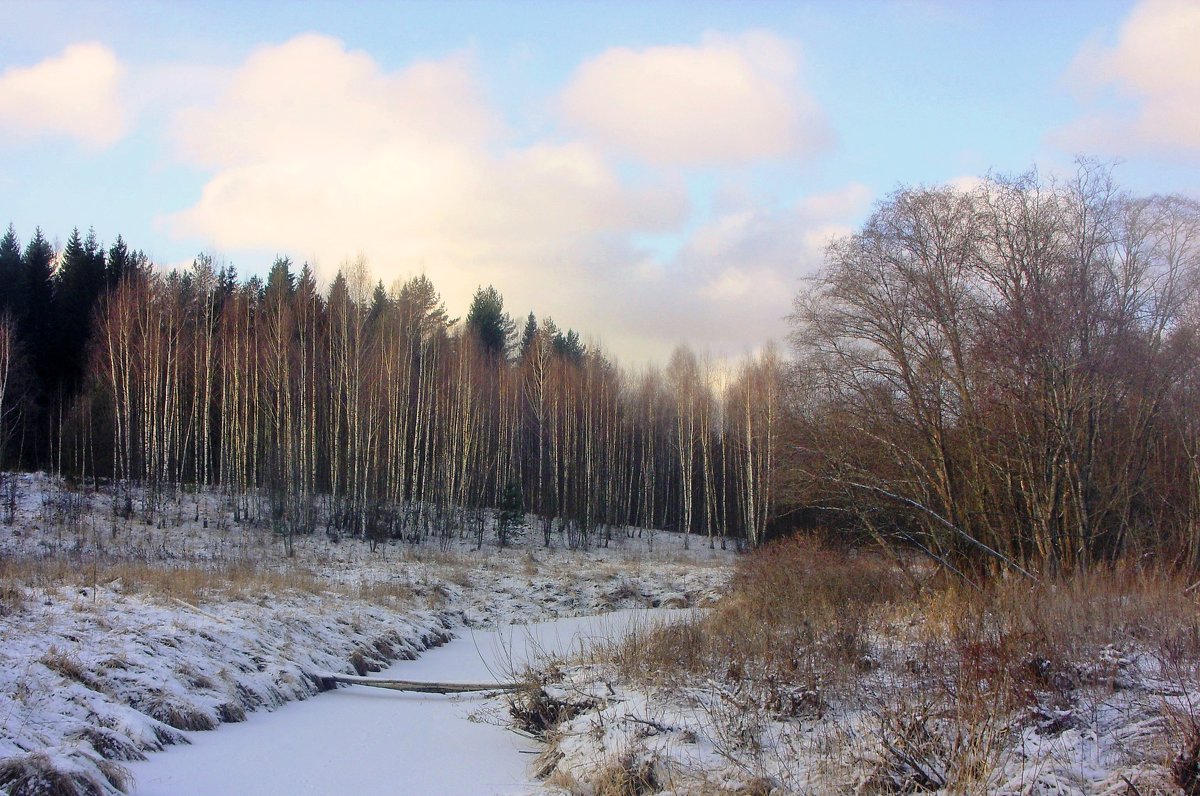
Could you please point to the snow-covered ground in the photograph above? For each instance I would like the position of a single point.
(119, 636)
(1123, 722)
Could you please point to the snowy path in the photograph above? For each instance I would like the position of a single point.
(366, 740)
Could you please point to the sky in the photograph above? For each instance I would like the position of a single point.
(647, 173)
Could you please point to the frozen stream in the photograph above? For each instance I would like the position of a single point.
(370, 740)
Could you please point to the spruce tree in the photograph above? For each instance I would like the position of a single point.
(10, 271)
(528, 335)
(490, 323)
(379, 304)
(36, 307)
(122, 262)
(568, 346)
(280, 281)
(510, 519)
(78, 285)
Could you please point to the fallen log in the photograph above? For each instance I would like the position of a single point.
(328, 681)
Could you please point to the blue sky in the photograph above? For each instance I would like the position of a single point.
(648, 173)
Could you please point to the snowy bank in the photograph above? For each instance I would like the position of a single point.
(119, 635)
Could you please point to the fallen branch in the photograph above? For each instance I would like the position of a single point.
(329, 680)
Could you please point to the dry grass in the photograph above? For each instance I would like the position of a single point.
(626, 776)
(12, 599)
(941, 677)
(797, 613)
(69, 667)
(187, 582)
(37, 775)
(1079, 614)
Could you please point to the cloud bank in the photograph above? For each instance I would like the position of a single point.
(314, 150)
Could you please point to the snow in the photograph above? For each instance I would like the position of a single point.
(97, 668)
(1123, 723)
(117, 635)
(364, 740)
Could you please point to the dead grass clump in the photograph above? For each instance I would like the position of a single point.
(174, 712)
(627, 776)
(365, 661)
(673, 600)
(1081, 614)
(65, 664)
(930, 743)
(110, 745)
(1185, 768)
(1051, 638)
(392, 593)
(192, 584)
(197, 680)
(910, 756)
(624, 591)
(12, 600)
(799, 578)
(37, 774)
(537, 713)
(231, 713)
(242, 580)
(649, 654)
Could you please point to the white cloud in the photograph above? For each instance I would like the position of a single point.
(75, 94)
(1154, 65)
(726, 101)
(316, 151)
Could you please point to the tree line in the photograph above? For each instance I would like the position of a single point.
(362, 410)
(1007, 377)
(1003, 378)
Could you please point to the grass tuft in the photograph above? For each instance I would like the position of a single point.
(37, 774)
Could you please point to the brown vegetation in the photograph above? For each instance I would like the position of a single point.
(38, 775)
(942, 676)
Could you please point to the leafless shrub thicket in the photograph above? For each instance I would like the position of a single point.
(834, 667)
(1007, 377)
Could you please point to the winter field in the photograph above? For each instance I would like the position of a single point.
(121, 638)
(803, 669)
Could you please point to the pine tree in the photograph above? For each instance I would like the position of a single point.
(490, 323)
(423, 312)
(78, 285)
(10, 271)
(528, 335)
(36, 307)
(280, 281)
(510, 519)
